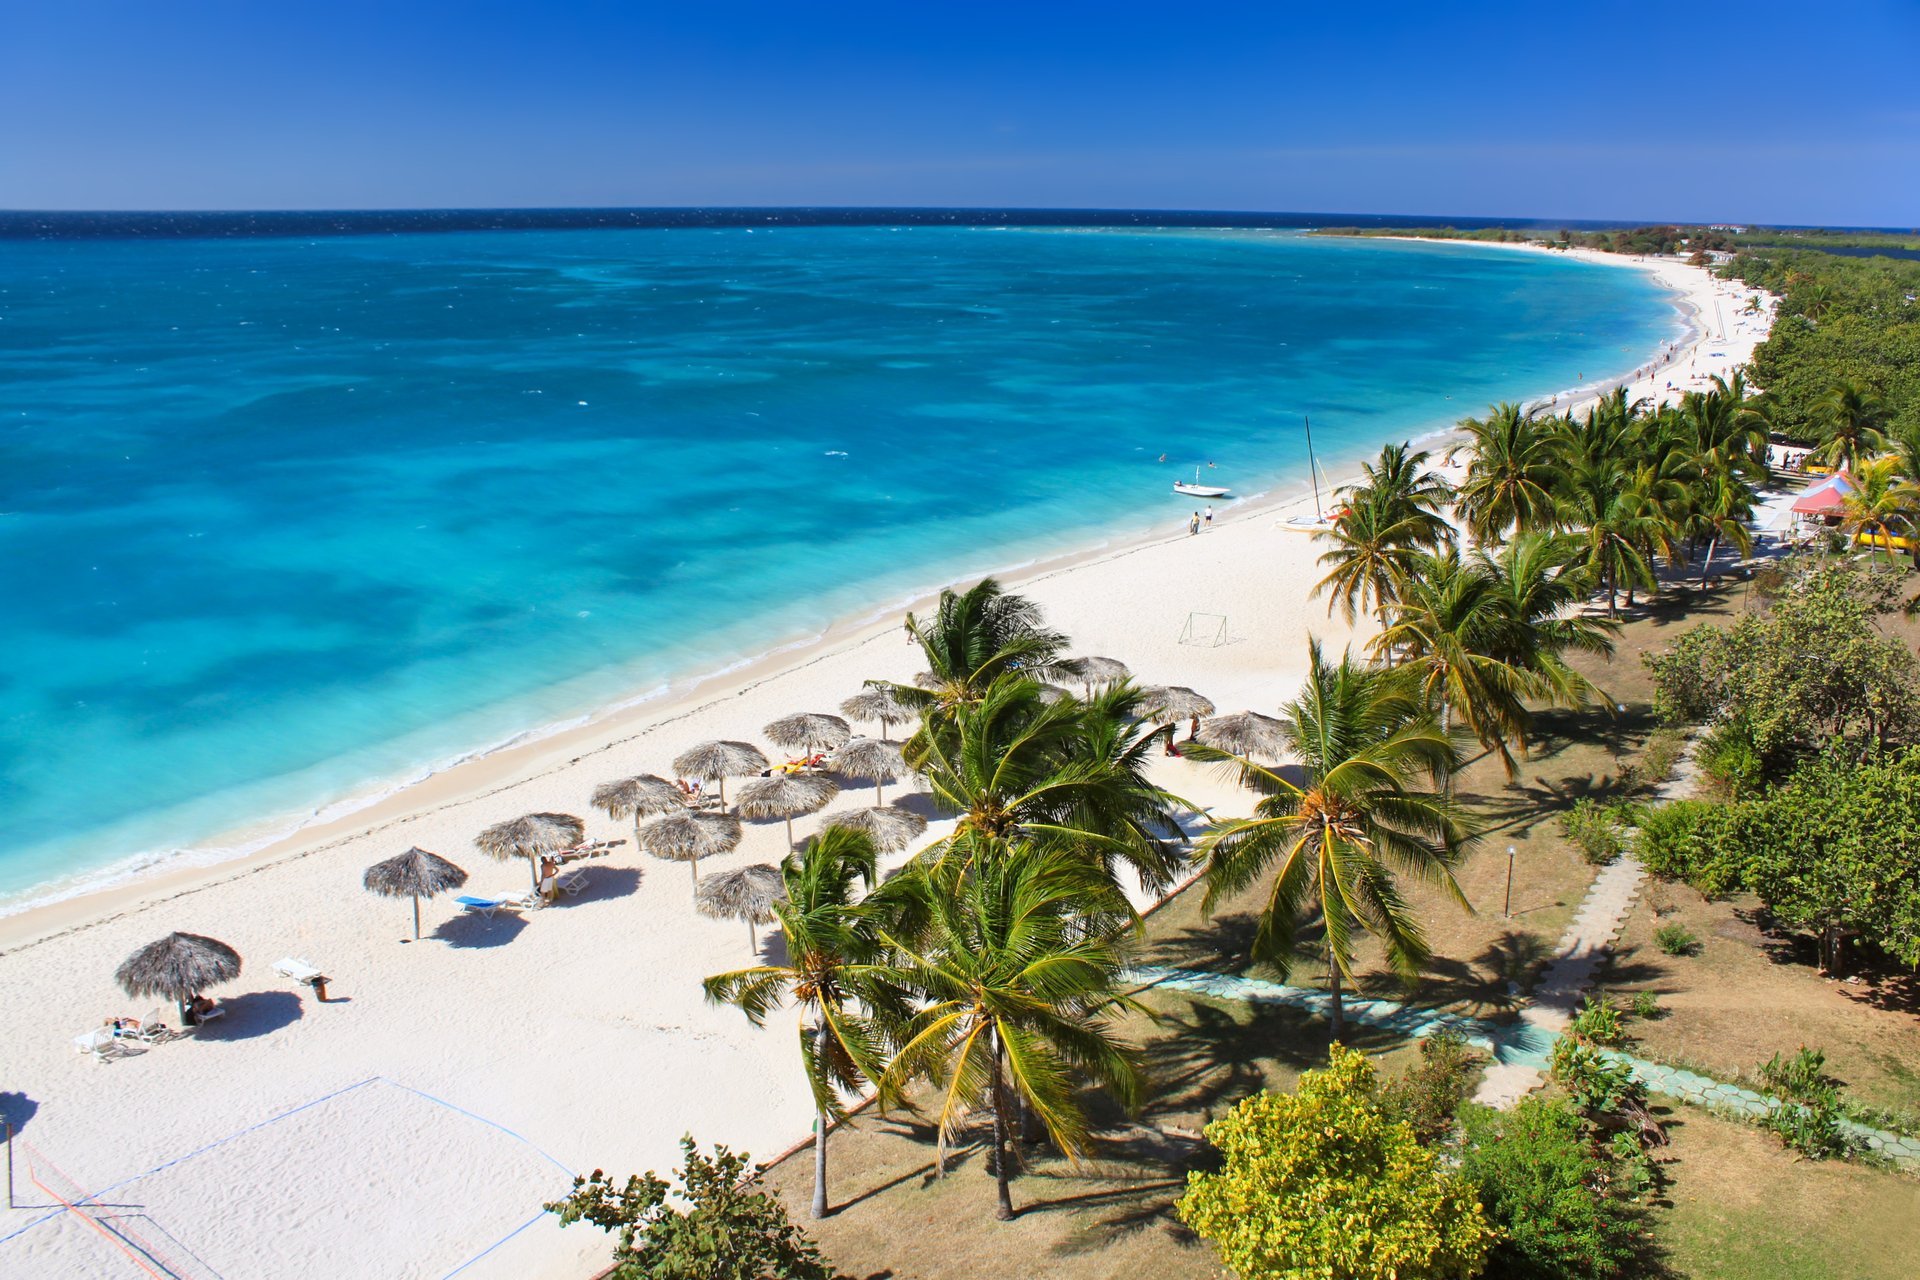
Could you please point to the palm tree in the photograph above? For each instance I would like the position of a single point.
(1017, 966)
(1540, 591)
(1014, 766)
(1852, 422)
(974, 637)
(1724, 429)
(1364, 740)
(1454, 636)
(1884, 504)
(1614, 525)
(834, 972)
(1510, 482)
(1374, 550)
(1722, 506)
(1400, 479)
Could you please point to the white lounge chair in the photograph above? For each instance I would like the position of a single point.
(107, 1044)
(573, 882)
(296, 970)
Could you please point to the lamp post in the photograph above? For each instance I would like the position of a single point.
(1507, 910)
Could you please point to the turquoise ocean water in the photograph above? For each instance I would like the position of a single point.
(282, 520)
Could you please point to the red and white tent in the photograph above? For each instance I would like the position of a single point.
(1827, 497)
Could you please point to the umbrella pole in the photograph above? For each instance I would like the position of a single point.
(753, 939)
(416, 917)
(723, 792)
(789, 835)
(879, 796)
(695, 864)
(533, 870)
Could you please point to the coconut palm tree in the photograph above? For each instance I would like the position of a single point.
(1399, 478)
(1015, 766)
(1722, 506)
(1336, 830)
(1373, 551)
(1457, 645)
(1852, 422)
(834, 973)
(1613, 527)
(1510, 482)
(1884, 505)
(1016, 966)
(972, 638)
(1540, 591)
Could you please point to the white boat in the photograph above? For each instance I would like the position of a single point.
(1198, 490)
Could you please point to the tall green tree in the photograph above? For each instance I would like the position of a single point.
(1465, 652)
(974, 637)
(1883, 505)
(1017, 965)
(1852, 422)
(1539, 588)
(1014, 766)
(835, 972)
(1510, 481)
(1358, 810)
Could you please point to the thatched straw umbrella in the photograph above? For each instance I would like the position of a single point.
(1175, 702)
(786, 794)
(745, 894)
(1093, 671)
(689, 837)
(879, 703)
(891, 829)
(808, 731)
(179, 966)
(1051, 693)
(638, 797)
(529, 836)
(872, 761)
(414, 874)
(718, 761)
(1245, 733)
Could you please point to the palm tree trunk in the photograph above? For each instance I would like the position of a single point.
(1706, 567)
(820, 1164)
(1339, 1020)
(1004, 1210)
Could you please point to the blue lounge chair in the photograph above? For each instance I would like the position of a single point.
(487, 906)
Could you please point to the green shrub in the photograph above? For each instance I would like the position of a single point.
(1669, 841)
(1598, 1022)
(1322, 1182)
(1595, 830)
(1675, 939)
(1555, 1199)
(1803, 1077)
(717, 1222)
(1660, 755)
(1731, 757)
(1596, 1084)
(1429, 1093)
(1646, 1005)
(1810, 1128)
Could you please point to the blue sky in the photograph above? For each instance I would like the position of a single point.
(1763, 112)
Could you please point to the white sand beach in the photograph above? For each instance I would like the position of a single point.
(413, 1124)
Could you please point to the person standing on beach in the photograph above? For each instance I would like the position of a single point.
(1193, 524)
(1209, 515)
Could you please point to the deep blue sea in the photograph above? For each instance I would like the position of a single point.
(283, 519)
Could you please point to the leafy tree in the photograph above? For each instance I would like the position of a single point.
(833, 973)
(1017, 964)
(1836, 851)
(1374, 553)
(1336, 827)
(1428, 1094)
(1321, 1184)
(1550, 1193)
(1510, 482)
(729, 1229)
(1813, 668)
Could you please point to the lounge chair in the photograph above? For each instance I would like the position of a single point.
(304, 973)
(573, 882)
(487, 906)
(108, 1044)
(152, 1029)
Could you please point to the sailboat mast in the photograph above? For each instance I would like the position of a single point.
(1313, 470)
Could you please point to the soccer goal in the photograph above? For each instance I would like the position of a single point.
(1209, 630)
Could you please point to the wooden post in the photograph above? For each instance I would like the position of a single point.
(1507, 910)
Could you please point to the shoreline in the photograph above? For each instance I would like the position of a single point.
(62, 905)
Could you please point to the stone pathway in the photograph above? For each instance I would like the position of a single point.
(1524, 1046)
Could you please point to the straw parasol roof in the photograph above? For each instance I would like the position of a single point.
(529, 836)
(808, 731)
(872, 760)
(784, 795)
(414, 874)
(891, 829)
(879, 703)
(638, 797)
(1175, 702)
(718, 761)
(1245, 733)
(1051, 693)
(179, 966)
(747, 893)
(689, 837)
(1093, 671)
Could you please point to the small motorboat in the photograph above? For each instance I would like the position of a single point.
(1198, 490)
